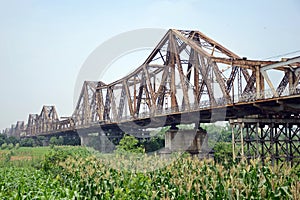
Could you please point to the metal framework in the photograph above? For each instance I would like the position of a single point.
(16, 130)
(86, 108)
(47, 121)
(276, 139)
(188, 72)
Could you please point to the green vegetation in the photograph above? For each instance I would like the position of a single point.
(74, 173)
(25, 183)
(27, 142)
(32, 156)
(129, 144)
(22, 156)
(56, 141)
(68, 172)
(223, 152)
(156, 142)
(11, 141)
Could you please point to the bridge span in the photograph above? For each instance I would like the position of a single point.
(190, 78)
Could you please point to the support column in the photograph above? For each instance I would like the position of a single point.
(242, 141)
(233, 142)
(277, 139)
(106, 146)
(84, 140)
(191, 141)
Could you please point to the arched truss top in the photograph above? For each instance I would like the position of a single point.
(48, 113)
(86, 108)
(186, 71)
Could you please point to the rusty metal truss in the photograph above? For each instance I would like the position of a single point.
(275, 139)
(46, 121)
(86, 108)
(186, 72)
(16, 129)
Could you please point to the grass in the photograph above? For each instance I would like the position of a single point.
(23, 156)
(35, 152)
(26, 156)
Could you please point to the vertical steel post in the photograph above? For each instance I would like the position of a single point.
(233, 141)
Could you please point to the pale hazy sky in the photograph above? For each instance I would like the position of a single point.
(43, 44)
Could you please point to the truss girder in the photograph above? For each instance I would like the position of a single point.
(187, 71)
(86, 110)
(185, 67)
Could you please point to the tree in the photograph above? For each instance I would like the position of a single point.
(157, 139)
(12, 139)
(3, 146)
(155, 143)
(72, 140)
(60, 140)
(39, 140)
(27, 142)
(53, 141)
(10, 146)
(3, 138)
(129, 144)
(223, 152)
(226, 133)
(2, 141)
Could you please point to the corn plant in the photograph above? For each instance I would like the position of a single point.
(73, 173)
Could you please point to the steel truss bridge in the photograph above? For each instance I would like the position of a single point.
(190, 78)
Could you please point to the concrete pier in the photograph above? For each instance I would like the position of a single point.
(191, 141)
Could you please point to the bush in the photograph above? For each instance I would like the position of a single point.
(2, 141)
(27, 142)
(57, 155)
(17, 146)
(10, 146)
(4, 146)
(72, 140)
(154, 144)
(53, 141)
(60, 140)
(12, 139)
(223, 152)
(8, 156)
(39, 140)
(129, 144)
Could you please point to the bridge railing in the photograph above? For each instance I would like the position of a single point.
(266, 94)
(248, 97)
